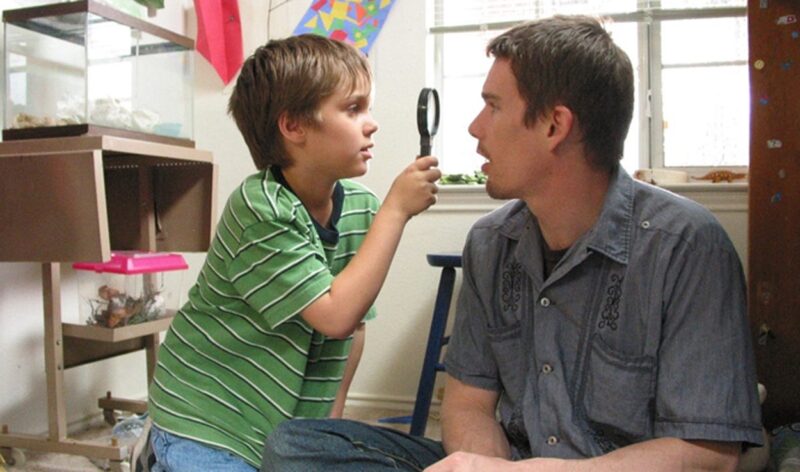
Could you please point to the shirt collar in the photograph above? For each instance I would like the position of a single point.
(329, 235)
(611, 234)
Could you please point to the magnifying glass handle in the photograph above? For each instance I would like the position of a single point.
(424, 147)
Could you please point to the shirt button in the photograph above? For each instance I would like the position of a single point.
(547, 368)
(545, 302)
(552, 441)
(645, 224)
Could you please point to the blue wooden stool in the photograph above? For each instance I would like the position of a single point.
(431, 365)
(436, 340)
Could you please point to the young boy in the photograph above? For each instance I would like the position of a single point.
(292, 272)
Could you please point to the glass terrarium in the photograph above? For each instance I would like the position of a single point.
(82, 68)
(131, 288)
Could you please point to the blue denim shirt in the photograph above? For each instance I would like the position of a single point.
(639, 332)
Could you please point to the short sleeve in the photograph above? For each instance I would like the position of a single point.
(278, 270)
(706, 385)
(469, 356)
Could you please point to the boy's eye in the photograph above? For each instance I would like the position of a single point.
(355, 108)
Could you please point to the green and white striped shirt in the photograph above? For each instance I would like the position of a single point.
(238, 359)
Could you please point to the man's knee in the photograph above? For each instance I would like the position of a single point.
(284, 438)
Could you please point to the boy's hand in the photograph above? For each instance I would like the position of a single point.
(414, 190)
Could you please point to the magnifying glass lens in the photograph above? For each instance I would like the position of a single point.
(427, 118)
(431, 115)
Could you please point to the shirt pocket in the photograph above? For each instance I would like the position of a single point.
(620, 394)
(510, 358)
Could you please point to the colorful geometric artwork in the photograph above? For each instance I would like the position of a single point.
(357, 22)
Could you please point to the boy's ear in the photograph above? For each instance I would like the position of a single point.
(291, 129)
(561, 123)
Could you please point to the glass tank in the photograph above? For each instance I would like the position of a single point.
(85, 68)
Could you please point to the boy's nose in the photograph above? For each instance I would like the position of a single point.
(371, 126)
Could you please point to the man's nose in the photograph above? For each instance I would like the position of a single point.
(473, 128)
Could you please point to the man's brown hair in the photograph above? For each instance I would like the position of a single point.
(293, 76)
(572, 61)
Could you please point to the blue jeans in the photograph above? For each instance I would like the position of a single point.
(177, 454)
(342, 445)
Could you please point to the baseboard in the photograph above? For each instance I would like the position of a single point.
(401, 404)
(387, 402)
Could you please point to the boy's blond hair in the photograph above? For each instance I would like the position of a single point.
(293, 76)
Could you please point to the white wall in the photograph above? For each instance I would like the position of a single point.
(23, 402)
(395, 340)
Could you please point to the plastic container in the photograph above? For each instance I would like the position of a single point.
(131, 288)
(128, 430)
(662, 176)
(84, 68)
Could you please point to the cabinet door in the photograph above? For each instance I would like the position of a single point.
(161, 206)
(774, 224)
(53, 208)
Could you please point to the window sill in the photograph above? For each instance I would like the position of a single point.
(721, 196)
(721, 187)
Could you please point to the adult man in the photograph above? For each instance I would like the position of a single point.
(601, 323)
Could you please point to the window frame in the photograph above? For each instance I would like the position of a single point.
(649, 100)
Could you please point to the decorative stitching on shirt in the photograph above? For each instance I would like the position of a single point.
(610, 313)
(512, 286)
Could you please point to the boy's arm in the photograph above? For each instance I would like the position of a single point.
(339, 312)
(356, 348)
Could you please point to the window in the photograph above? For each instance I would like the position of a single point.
(690, 67)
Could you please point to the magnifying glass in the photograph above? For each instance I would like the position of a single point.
(427, 119)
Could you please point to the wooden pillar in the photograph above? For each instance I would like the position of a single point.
(774, 219)
(54, 351)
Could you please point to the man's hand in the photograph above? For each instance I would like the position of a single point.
(469, 462)
(657, 455)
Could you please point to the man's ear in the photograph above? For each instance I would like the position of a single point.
(292, 129)
(562, 123)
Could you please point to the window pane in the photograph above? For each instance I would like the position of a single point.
(476, 12)
(706, 116)
(625, 35)
(705, 92)
(584, 7)
(703, 87)
(460, 12)
(464, 67)
(461, 103)
(705, 40)
(682, 4)
(465, 54)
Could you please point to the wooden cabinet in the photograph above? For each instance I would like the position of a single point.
(774, 220)
(77, 198)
